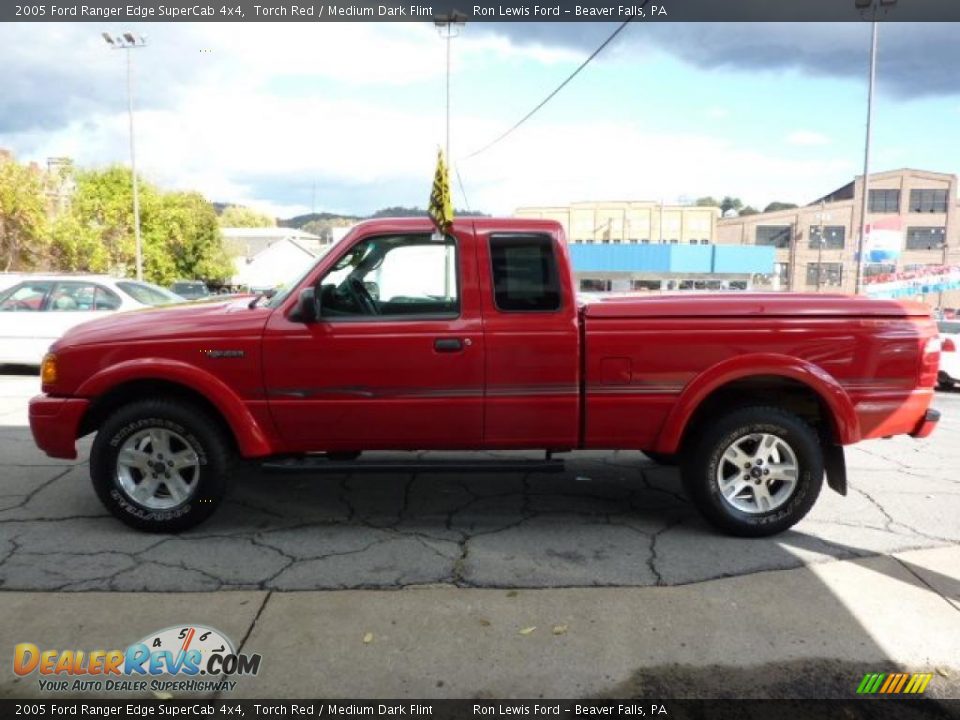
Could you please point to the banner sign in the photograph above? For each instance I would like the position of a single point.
(884, 241)
(919, 282)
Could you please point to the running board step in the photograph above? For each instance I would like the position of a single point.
(323, 465)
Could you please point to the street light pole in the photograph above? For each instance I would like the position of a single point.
(128, 41)
(866, 160)
(873, 6)
(449, 25)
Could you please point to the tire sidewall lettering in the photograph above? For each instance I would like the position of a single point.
(773, 516)
(121, 499)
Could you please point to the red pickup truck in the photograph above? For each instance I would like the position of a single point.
(403, 339)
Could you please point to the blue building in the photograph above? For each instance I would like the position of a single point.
(632, 267)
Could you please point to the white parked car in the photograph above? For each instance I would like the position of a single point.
(949, 353)
(38, 309)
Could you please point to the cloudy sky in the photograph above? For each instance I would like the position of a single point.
(347, 117)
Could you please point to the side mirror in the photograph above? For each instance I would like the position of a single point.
(308, 305)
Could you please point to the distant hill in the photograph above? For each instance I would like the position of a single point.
(322, 219)
(300, 220)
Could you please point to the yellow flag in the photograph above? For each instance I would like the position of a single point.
(441, 209)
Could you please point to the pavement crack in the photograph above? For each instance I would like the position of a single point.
(42, 486)
(909, 568)
(890, 521)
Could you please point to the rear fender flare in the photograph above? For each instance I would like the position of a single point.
(843, 415)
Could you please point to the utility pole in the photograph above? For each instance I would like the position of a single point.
(820, 248)
(128, 41)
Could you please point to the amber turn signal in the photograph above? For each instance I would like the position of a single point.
(48, 369)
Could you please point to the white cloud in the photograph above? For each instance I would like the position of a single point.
(716, 112)
(807, 138)
(242, 124)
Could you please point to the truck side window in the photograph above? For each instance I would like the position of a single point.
(525, 277)
(402, 276)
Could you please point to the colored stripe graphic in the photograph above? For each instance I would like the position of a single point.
(894, 683)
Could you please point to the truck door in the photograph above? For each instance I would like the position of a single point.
(532, 342)
(396, 358)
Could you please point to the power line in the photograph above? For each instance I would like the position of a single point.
(463, 190)
(559, 87)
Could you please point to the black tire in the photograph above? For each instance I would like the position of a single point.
(662, 458)
(200, 432)
(944, 381)
(701, 465)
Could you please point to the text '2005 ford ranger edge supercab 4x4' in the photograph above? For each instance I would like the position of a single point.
(401, 338)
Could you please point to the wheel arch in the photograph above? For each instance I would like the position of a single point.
(781, 381)
(128, 382)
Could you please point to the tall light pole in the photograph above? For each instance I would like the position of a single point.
(449, 26)
(873, 6)
(128, 41)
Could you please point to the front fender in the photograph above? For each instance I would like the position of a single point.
(251, 438)
(844, 416)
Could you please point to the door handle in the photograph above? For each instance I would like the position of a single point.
(447, 345)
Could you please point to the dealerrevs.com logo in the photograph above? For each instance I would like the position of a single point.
(183, 658)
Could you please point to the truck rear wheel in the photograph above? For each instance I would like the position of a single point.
(160, 465)
(754, 472)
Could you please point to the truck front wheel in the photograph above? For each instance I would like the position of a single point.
(755, 471)
(160, 465)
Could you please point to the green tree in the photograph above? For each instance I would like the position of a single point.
(748, 210)
(774, 206)
(101, 208)
(730, 203)
(182, 240)
(239, 216)
(23, 216)
(179, 230)
(707, 201)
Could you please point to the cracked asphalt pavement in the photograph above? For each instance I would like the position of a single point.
(612, 519)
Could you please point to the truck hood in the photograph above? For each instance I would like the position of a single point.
(751, 304)
(191, 320)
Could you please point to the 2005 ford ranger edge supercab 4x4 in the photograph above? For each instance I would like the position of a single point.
(402, 339)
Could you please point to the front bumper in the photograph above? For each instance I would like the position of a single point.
(54, 423)
(926, 425)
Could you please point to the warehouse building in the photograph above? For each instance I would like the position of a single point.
(914, 230)
(644, 246)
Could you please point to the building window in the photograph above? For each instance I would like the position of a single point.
(645, 241)
(829, 274)
(884, 201)
(633, 241)
(590, 285)
(834, 237)
(674, 241)
(925, 238)
(928, 201)
(778, 236)
(693, 241)
(645, 285)
(704, 241)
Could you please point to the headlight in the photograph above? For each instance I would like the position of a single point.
(48, 369)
